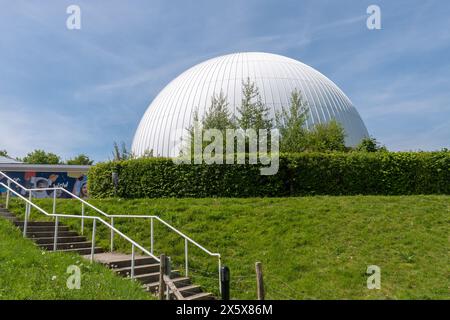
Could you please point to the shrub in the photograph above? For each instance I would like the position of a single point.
(389, 173)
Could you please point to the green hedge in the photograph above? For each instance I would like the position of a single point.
(390, 173)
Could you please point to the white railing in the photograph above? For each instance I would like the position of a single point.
(84, 203)
(30, 204)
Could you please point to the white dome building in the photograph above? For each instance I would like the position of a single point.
(171, 112)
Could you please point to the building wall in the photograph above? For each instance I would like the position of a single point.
(71, 178)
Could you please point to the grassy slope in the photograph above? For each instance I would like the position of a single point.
(310, 247)
(26, 272)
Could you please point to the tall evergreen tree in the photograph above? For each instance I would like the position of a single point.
(121, 153)
(218, 116)
(253, 113)
(290, 122)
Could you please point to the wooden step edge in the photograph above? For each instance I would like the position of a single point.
(201, 296)
(188, 288)
(141, 266)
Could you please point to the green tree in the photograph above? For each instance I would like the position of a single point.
(148, 153)
(218, 116)
(121, 153)
(3, 153)
(253, 113)
(370, 144)
(290, 122)
(42, 157)
(324, 137)
(81, 159)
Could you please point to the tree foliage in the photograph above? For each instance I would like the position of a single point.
(370, 144)
(324, 137)
(121, 153)
(41, 157)
(290, 122)
(81, 159)
(253, 113)
(218, 115)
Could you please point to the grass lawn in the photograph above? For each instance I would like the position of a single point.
(26, 272)
(311, 247)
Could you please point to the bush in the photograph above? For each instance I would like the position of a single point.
(389, 173)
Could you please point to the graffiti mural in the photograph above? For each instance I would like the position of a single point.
(73, 182)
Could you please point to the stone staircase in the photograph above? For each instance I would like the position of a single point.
(146, 268)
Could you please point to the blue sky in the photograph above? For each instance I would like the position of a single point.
(77, 91)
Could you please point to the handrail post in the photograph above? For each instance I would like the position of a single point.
(151, 235)
(93, 239)
(186, 256)
(132, 260)
(30, 197)
(112, 234)
(25, 221)
(54, 201)
(55, 239)
(82, 218)
(220, 275)
(8, 194)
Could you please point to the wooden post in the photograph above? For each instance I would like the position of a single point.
(259, 281)
(167, 273)
(162, 271)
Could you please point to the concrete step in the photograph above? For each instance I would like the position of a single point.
(44, 228)
(138, 270)
(152, 287)
(190, 290)
(67, 245)
(11, 219)
(49, 240)
(7, 215)
(83, 251)
(46, 234)
(152, 277)
(38, 224)
(123, 263)
(148, 277)
(180, 282)
(201, 296)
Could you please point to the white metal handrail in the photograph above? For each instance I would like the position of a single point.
(94, 219)
(111, 217)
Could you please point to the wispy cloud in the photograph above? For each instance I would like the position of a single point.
(75, 91)
(23, 129)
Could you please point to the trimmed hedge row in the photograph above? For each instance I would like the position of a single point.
(389, 173)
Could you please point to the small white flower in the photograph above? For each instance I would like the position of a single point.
(53, 278)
